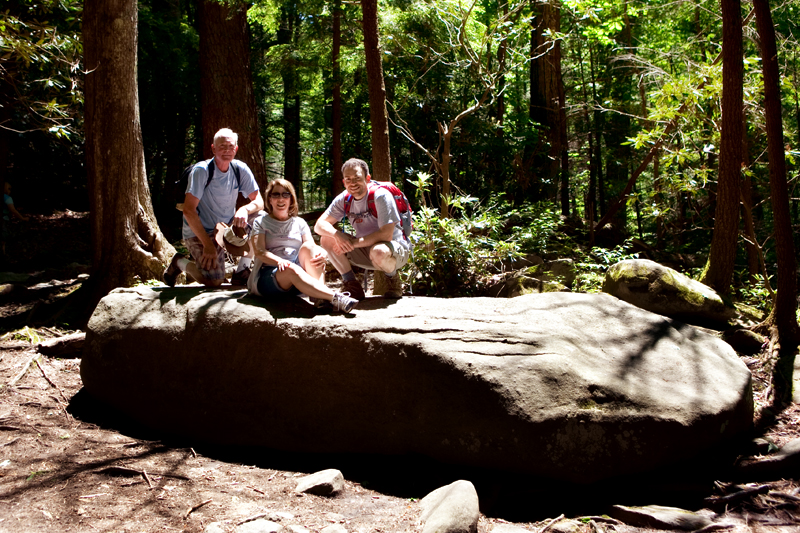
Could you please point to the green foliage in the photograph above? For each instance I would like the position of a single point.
(455, 256)
(756, 294)
(40, 47)
(592, 266)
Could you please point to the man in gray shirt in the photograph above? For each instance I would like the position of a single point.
(210, 200)
(379, 242)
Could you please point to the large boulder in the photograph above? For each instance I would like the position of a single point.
(570, 386)
(665, 291)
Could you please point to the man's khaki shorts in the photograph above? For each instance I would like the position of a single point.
(360, 256)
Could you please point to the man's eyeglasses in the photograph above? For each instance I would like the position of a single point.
(277, 195)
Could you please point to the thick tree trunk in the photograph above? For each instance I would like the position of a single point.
(379, 119)
(718, 273)
(292, 168)
(126, 240)
(782, 320)
(336, 104)
(545, 76)
(226, 82)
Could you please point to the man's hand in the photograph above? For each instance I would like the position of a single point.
(240, 218)
(208, 260)
(344, 243)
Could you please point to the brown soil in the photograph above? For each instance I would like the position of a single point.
(68, 464)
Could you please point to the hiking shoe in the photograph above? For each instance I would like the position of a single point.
(394, 289)
(173, 271)
(342, 302)
(353, 289)
(239, 279)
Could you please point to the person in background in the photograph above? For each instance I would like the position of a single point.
(8, 211)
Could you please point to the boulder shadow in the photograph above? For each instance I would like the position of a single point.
(512, 496)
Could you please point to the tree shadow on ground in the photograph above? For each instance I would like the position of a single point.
(514, 496)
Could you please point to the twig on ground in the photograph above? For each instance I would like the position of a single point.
(251, 518)
(736, 497)
(196, 507)
(714, 527)
(785, 496)
(12, 441)
(257, 490)
(51, 382)
(22, 372)
(147, 478)
(550, 523)
(127, 471)
(603, 519)
(194, 453)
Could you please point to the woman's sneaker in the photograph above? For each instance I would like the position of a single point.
(342, 302)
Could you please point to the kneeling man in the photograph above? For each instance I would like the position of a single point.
(379, 242)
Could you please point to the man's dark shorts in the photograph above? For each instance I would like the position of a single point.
(195, 247)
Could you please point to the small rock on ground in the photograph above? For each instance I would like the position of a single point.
(453, 508)
(660, 517)
(259, 526)
(322, 483)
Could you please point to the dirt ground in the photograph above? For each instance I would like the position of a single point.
(69, 464)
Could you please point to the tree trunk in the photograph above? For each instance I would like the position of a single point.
(126, 240)
(545, 74)
(718, 273)
(379, 120)
(226, 82)
(782, 320)
(291, 109)
(336, 105)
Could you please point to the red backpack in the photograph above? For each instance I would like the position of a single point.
(403, 207)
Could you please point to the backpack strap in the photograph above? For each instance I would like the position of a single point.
(236, 172)
(348, 202)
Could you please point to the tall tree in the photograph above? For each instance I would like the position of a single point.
(126, 240)
(379, 119)
(287, 30)
(546, 91)
(226, 81)
(336, 100)
(718, 273)
(782, 321)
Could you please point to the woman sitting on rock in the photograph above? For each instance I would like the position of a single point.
(287, 261)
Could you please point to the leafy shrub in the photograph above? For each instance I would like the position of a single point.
(592, 266)
(456, 256)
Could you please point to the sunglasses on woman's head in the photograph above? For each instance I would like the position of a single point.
(280, 195)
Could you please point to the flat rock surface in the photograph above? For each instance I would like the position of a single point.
(569, 386)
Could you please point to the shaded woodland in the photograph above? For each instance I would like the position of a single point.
(595, 130)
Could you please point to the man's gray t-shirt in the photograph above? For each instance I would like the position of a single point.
(362, 219)
(218, 200)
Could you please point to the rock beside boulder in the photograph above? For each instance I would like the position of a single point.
(568, 386)
(323, 483)
(659, 517)
(665, 291)
(453, 508)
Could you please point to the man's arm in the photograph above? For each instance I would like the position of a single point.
(325, 228)
(256, 204)
(15, 213)
(209, 258)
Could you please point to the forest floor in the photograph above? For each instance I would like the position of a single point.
(68, 464)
